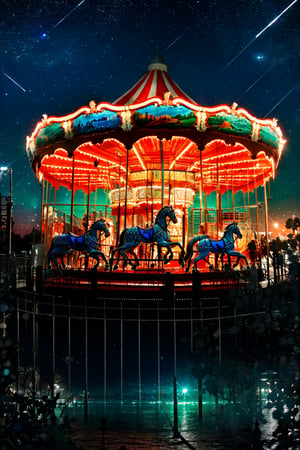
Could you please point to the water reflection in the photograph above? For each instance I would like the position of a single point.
(148, 425)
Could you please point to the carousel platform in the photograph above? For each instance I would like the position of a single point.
(143, 283)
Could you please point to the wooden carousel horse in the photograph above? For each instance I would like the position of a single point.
(64, 243)
(158, 233)
(221, 246)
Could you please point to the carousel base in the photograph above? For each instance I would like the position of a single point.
(143, 283)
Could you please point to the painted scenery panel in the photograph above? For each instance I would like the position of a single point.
(166, 116)
(269, 136)
(49, 134)
(230, 123)
(90, 123)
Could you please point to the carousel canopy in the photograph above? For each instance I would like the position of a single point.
(152, 131)
(155, 83)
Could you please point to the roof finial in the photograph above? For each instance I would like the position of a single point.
(158, 63)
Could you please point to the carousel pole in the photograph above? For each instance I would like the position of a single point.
(88, 204)
(162, 173)
(267, 228)
(248, 189)
(43, 221)
(184, 224)
(42, 218)
(257, 226)
(72, 195)
(46, 221)
(54, 206)
(169, 187)
(218, 199)
(232, 188)
(244, 199)
(205, 195)
(147, 202)
(201, 188)
(119, 206)
(151, 196)
(95, 214)
(126, 187)
(220, 210)
(205, 213)
(151, 252)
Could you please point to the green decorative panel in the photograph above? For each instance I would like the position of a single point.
(49, 134)
(230, 123)
(269, 136)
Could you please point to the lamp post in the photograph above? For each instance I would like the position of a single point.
(5, 169)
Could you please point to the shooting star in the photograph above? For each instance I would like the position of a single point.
(174, 42)
(276, 18)
(67, 15)
(280, 101)
(259, 34)
(14, 81)
(256, 81)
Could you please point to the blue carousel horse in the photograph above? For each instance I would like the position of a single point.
(158, 233)
(221, 246)
(64, 243)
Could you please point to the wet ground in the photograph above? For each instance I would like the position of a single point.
(150, 426)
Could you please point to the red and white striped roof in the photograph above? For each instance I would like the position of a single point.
(155, 83)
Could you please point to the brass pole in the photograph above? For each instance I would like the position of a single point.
(162, 173)
(42, 215)
(257, 227)
(232, 188)
(126, 188)
(201, 189)
(72, 195)
(266, 218)
(88, 205)
(267, 229)
(147, 202)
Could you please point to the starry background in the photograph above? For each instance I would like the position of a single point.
(63, 54)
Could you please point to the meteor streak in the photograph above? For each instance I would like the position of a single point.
(14, 81)
(256, 81)
(67, 15)
(281, 100)
(175, 40)
(276, 18)
(258, 35)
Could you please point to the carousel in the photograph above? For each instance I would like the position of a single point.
(151, 175)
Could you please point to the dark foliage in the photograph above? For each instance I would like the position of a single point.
(261, 340)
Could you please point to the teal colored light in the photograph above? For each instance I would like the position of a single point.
(6, 372)
(184, 391)
(63, 201)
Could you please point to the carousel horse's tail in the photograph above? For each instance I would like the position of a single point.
(189, 249)
(121, 241)
(50, 250)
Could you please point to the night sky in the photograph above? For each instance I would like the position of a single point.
(58, 55)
